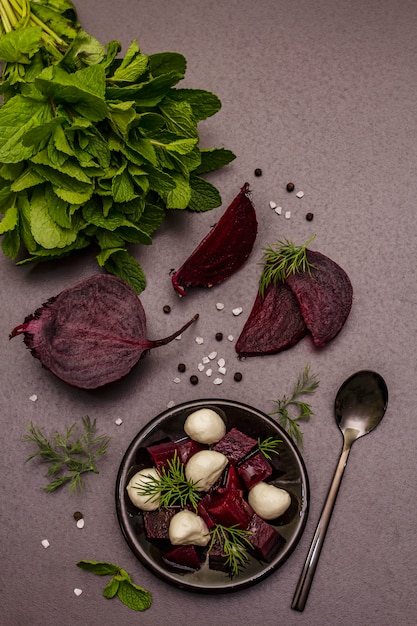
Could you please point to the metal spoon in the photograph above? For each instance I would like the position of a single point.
(359, 406)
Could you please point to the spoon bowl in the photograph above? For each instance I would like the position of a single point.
(360, 405)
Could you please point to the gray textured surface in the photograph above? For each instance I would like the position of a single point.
(322, 93)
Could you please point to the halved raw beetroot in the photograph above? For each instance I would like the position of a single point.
(235, 445)
(264, 538)
(324, 296)
(92, 333)
(184, 557)
(224, 249)
(275, 323)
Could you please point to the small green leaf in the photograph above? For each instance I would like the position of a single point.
(111, 589)
(133, 596)
(18, 46)
(9, 221)
(98, 568)
(204, 196)
(213, 159)
(123, 265)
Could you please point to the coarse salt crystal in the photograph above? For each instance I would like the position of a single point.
(118, 422)
(178, 337)
(199, 340)
(230, 337)
(278, 210)
(217, 381)
(78, 592)
(237, 311)
(287, 215)
(170, 404)
(209, 371)
(80, 523)
(205, 360)
(221, 362)
(45, 543)
(220, 306)
(212, 355)
(200, 367)
(177, 380)
(222, 370)
(272, 204)
(299, 194)
(33, 398)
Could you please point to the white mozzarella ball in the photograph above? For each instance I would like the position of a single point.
(204, 468)
(205, 426)
(268, 501)
(187, 528)
(137, 483)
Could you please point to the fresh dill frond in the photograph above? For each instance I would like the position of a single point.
(234, 543)
(281, 260)
(306, 383)
(171, 486)
(269, 446)
(69, 455)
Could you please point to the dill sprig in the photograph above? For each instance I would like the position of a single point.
(307, 383)
(234, 543)
(69, 455)
(269, 446)
(171, 486)
(281, 260)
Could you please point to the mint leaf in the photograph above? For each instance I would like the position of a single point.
(17, 116)
(133, 596)
(203, 103)
(99, 568)
(204, 196)
(123, 265)
(18, 46)
(111, 589)
(213, 159)
(45, 230)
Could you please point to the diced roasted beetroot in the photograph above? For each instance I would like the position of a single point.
(228, 508)
(184, 557)
(264, 538)
(202, 510)
(217, 558)
(160, 453)
(235, 445)
(254, 469)
(186, 448)
(232, 479)
(157, 522)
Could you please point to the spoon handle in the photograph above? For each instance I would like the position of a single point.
(307, 574)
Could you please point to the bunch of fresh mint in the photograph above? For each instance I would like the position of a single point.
(132, 595)
(95, 149)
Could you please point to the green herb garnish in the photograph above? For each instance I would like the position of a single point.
(281, 260)
(94, 149)
(307, 383)
(235, 543)
(121, 584)
(269, 446)
(70, 456)
(171, 486)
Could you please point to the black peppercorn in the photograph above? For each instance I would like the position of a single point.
(309, 217)
(237, 377)
(219, 336)
(290, 187)
(258, 171)
(194, 379)
(181, 367)
(167, 309)
(77, 516)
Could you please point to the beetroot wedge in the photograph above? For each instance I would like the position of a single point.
(275, 323)
(224, 249)
(92, 333)
(324, 296)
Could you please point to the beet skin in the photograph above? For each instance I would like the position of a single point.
(92, 333)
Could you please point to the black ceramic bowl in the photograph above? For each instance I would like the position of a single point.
(289, 473)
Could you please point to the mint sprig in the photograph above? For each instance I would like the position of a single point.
(133, 596)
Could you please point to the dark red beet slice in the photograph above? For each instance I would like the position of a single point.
(229, 508)
(235, 445)
(157, 522)
(324, 297)
(264, 538)
(232, 479)
(161, 453)
(185, 557)
(217, 558)
(186, 449)
(224, 249)
(202, 509)
(275, 323)
(254, 469)
(92, 333)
